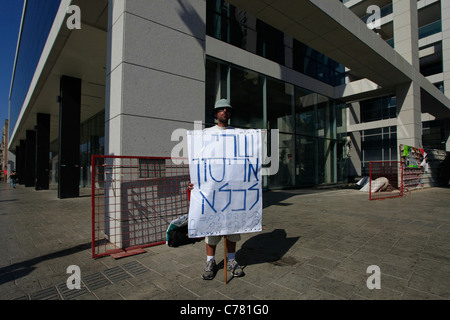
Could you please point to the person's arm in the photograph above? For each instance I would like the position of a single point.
(189, 189)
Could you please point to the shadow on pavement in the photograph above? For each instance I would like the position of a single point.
(21, 269)
(265, 247)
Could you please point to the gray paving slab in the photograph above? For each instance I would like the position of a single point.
(317, 244)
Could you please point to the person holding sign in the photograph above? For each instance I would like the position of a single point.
(222, 112)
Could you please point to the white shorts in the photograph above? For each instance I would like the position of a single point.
(214, 240)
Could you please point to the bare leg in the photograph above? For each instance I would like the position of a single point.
(210, 250)
(231, 246)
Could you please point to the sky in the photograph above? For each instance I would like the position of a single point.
(10, 17)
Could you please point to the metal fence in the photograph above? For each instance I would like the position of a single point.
(386, 179)
(134, 199)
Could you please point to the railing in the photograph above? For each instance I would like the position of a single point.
(134, 199)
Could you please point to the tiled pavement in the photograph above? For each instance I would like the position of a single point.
(317, 244)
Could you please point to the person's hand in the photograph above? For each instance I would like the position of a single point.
(190, 186)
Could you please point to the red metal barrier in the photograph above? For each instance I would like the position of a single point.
(413, 178)
(386, 179)
(134, 199)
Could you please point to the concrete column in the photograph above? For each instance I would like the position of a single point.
(447, 134)
(354, 165)
(155, 74)
(42, 151)
(409, 123)
(353, 117)
(155, 84)
(30, 158)
(406, 34)
(21, 163)
(445, 19)
(17, 164)
(69, 138)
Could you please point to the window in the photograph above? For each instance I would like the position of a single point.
(312, 131)
(39, 17)
(246, 89)
(216, 89)
(378, 144)
(433, 134)
(238, 28)
(378, 109)
(270, 42)
(279, 105)
(304, 112)
(430, 29)
(315, 64)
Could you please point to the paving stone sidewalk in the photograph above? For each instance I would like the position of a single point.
(316, 244)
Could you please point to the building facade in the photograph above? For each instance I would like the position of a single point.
(132, 72)
(373, 122)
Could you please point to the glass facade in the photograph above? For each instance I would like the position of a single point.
(312, 131)
(378, 144)
(38, 20)
(430, 65)
(434, 135)
(236, 27)
(430, 29)
(379, 108)
(312, 127)
(315, 64)
(92, 142)
(247, 94)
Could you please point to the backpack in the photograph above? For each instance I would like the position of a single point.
(179, 237)
(177, 232)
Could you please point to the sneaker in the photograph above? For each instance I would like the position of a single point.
(235, 268)
(210, 269)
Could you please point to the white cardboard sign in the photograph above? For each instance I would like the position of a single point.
(225, 168)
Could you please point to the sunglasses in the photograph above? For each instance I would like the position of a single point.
(224, 109)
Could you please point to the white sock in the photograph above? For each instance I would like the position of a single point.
(209, 258)
(231, 255)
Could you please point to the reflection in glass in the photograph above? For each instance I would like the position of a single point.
(305, 171)
(38, 20)
(279, 105)
(305, 112)
(313, 145)
(285, 175)
(326, 161)
(92, 142)
(246, 98)
(378, 144)
(216, 88)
